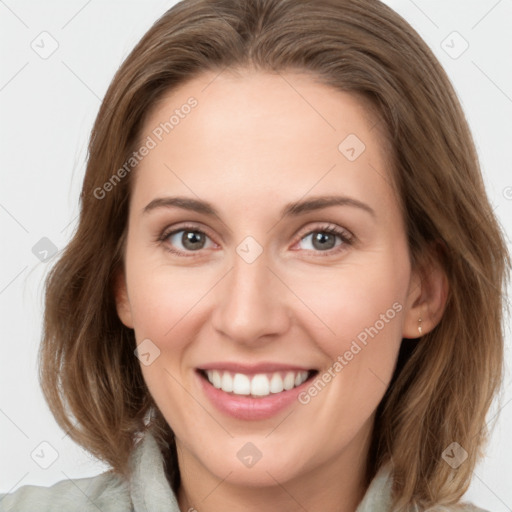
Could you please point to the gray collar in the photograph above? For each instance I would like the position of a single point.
(149, 488)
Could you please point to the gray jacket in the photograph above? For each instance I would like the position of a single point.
(147, 491)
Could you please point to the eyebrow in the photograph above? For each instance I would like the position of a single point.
(290, 210)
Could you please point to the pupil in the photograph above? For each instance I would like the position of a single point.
(321, 238)
(190, 238)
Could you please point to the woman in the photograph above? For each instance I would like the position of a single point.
(284, 255)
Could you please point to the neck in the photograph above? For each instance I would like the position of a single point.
(335, 485)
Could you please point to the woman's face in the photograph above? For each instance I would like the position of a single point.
(264, 286)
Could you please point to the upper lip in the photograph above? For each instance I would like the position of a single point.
(264, 367)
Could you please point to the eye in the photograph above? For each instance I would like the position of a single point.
(186, 239)
(191, 239)
(323, 239)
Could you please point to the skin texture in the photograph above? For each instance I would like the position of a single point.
(254, 143)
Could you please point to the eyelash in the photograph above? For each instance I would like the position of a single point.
(346, 238)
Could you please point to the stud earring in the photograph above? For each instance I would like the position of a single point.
(420, 330)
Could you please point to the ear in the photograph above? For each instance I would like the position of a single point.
(124, 310)
(427, 295)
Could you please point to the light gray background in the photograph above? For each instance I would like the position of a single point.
(48, 106)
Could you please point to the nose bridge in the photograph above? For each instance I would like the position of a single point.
(251, 302)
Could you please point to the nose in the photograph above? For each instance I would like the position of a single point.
(250, 306)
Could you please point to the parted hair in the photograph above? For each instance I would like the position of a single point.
(444, 382)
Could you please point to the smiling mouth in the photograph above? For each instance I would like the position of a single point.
(259, 385)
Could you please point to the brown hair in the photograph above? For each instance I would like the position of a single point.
(442, 387)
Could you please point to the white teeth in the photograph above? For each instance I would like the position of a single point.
(226, 382)
(215, 378)
(289, 381)
(276, 383)
(260, 384)
(241, 384)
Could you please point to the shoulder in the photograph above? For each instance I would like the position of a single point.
(146, 488)
(378, 497)
(459, 507)
(106, 492)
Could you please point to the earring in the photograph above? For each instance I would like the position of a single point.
(419, 326)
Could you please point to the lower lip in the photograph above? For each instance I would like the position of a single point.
(244, 407)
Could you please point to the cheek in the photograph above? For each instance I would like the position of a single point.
(165, 303)
(163, 298)
(360, 333)
(361, 301)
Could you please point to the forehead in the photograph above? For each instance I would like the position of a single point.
(265, 103)
(275, 132)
